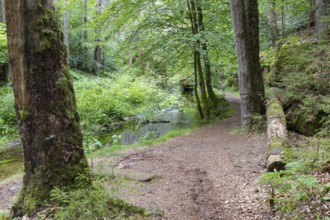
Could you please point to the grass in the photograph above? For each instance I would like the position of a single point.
(9, 168)
(4, 214)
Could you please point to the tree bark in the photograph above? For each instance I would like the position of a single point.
(272, 20)
(246, 30)
(283, 20)
(208, 74)
(276, 134)
(66, 24)
(98, 48)
(322, 27)
(311, 15)
(44, 102)
(199, 107)
(198, 62)
(2, 11)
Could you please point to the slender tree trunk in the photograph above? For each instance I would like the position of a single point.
(66, 25)
(197, 47)
(322, 27)
(85, 34)
(283, 20)
(208, 73)
(199, 107)
(246, 30)
(272, 20)
(311, 15)
(98, 49)
(2, 11)
(45, 103)
(198, 102)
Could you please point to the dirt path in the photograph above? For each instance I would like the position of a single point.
(210, 174)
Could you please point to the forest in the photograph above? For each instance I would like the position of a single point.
(164, 109)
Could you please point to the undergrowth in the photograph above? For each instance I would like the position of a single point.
(90, 202)
(302, 190)
(299, 76)
(101, 101)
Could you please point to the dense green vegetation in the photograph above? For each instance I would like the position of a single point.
(147, 57)
(103, 102)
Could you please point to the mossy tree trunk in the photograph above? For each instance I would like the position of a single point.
(208, 74)
(277, 135)
(44, 101)
(246, 29)
(66, 24)
(205, 112)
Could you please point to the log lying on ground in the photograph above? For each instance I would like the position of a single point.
(277, 135)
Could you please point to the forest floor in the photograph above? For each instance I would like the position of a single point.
(209, 174)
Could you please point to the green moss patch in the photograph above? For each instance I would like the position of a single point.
(300, 73)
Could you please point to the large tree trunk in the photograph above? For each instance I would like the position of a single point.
(246, 30)
(322, 27)
(44, 101)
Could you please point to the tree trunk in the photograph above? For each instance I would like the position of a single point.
(66, 25)
(283, 20)
(45, 103)
(311, 15)
(2, 11)
(322, 27)
(198, 63)
(272, 20)
(98, 49)
(277, 135)
(246, 30)
(198, 102)
(4, 72)
(208, 74)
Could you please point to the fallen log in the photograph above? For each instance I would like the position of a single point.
(277, 135)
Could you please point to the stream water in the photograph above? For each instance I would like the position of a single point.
(166, 121)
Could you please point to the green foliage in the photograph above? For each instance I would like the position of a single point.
(8, 129)
(293, 188)
(300, 187)
(93, 202)
(103, 102)
(4, 214)
(299, 71)
(291, 16)
(3, 44)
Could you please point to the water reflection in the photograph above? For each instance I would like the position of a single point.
(160, 125)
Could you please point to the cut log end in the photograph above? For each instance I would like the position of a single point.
(275, 162)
